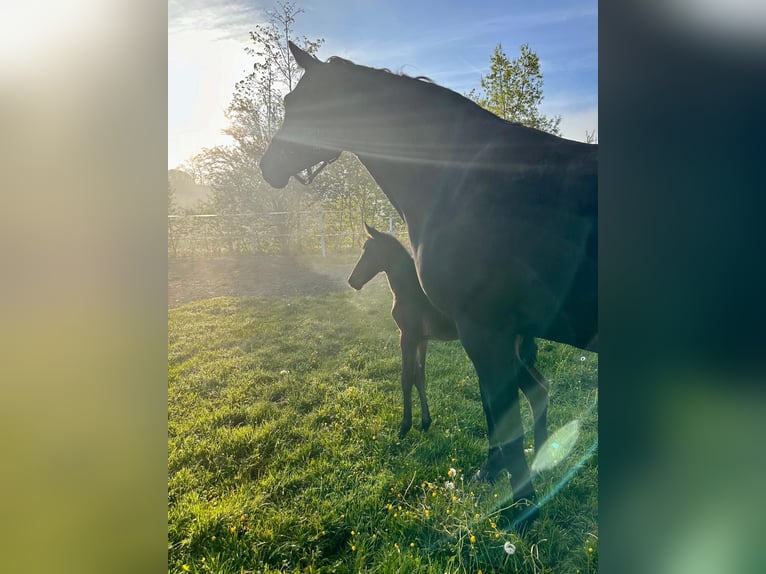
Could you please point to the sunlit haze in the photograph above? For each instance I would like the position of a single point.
(450, 42)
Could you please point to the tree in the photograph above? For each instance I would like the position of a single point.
(513, 90)
(256, 109)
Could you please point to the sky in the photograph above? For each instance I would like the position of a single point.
(449, 41)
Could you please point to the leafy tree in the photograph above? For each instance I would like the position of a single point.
(513, 90)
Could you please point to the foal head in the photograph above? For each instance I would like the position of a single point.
(379, 253)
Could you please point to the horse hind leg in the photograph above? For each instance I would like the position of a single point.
(420, 384)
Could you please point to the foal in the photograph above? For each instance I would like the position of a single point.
(418, 320)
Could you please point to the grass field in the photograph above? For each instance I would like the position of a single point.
(283, 454)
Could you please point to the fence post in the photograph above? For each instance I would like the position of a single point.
(321, 233)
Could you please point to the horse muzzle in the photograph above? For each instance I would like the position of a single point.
(273, 176)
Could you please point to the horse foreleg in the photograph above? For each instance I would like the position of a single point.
(409, 375)
(420, 384)
(499, 379)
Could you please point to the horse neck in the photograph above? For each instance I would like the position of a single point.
(410, 152)
(401, 273)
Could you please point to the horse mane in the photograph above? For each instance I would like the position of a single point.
(423, 84)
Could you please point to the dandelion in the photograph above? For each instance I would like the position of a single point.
(509, 548)
(493, 525)
(213, 537)
(243, 517)
(397, 547)
(284, 372)
(185, 567)
(452, 473)
(390, 507)
(433, 493)
(477, 516)
(449, 485)
(353, 533)
(454, 499)
(590, 549)
(473, 539)
(412, 545)
(233, 529)
(353, 548)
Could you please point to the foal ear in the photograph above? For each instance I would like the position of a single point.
(371, 231)
(302, 57)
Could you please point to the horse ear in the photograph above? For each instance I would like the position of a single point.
(371, 231)
(302, 57)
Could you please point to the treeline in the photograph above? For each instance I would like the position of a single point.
(250, 216)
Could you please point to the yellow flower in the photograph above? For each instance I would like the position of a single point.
(185, 568)
(493, 525)
(353, 548)
(242, 517)
(473, 539)
(590, 549)
(427, 513)
(233, 529)
(390, 506)
(412, 545)
(213, 537)
(477, 516)
(353, 533)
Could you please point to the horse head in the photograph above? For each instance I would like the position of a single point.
(300, 148)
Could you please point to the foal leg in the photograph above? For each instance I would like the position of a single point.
(534, 386)
(420, 384)
(409, 376)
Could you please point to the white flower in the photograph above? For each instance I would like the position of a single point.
(582, 359)
(449, 485)
(509, 548)
(284, 372)
(528, 450)
(452, 473)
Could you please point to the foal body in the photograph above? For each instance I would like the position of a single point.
(418, 321)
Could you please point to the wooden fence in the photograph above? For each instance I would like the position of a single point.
(283, 232)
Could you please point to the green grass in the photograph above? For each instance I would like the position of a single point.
(283, 454)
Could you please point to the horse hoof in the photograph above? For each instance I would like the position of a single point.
(525, 513)
(519, 516)
(404, 430)
(487, 475)
(426, 424)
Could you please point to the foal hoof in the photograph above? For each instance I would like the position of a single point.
(403, 430)
(425, 424)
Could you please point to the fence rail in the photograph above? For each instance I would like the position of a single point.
(285, 232)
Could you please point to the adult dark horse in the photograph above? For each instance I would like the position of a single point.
(502, 218)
